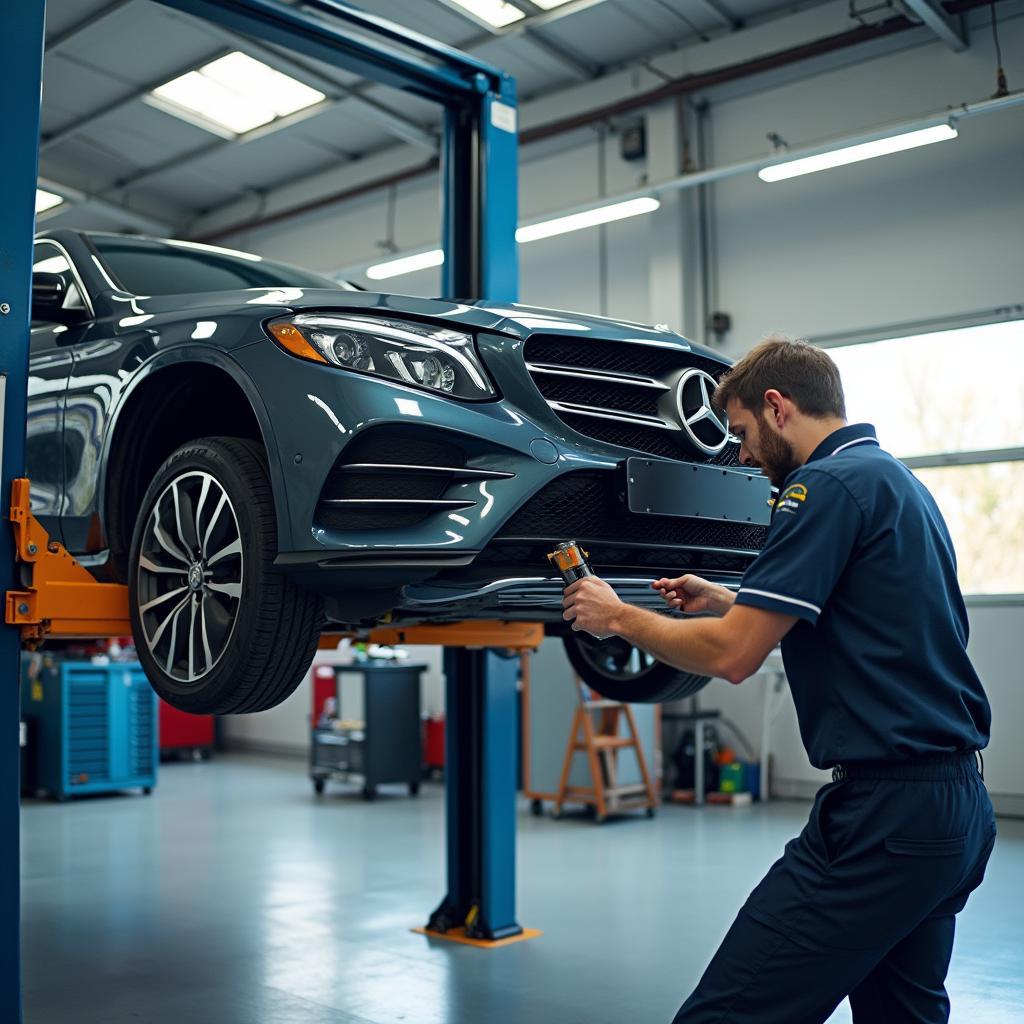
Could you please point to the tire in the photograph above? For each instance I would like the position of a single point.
(243, 635)
(619, 671)
(318, 786)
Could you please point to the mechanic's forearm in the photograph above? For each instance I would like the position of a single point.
(722, 600)
(691, 645)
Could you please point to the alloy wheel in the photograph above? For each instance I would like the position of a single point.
(190, 576)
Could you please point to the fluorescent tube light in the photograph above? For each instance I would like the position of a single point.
(47, 200)
(587, 219)
(852, 154)
(405, 265)
(234, 93)
(529, 233)
(496, 13)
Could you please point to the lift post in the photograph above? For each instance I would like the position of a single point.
(481, 701)
(481, 753)
(20, 80)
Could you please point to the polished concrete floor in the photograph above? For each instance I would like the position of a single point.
(232, 896)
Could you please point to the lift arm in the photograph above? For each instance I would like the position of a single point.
(60, 598)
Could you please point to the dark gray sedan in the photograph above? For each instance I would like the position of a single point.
(258, 451)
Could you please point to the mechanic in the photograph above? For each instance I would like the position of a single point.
(857, 579)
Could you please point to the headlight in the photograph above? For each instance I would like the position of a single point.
(422, 355)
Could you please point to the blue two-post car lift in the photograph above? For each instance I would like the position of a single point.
(479, 208)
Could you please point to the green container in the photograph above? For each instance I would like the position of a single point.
(731, 778)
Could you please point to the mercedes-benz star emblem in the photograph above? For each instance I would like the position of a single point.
(706, 428)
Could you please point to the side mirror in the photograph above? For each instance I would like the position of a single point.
(49, 293)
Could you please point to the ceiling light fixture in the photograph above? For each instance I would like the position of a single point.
(853, 154)
(587, 219)
(233, 95)
(47, 200)
(496, 13)
(528, 233)
(405, 265)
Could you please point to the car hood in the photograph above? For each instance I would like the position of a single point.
(509, 318)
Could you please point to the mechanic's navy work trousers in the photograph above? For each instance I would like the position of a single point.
(861, 903)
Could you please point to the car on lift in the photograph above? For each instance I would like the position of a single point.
(261, 453)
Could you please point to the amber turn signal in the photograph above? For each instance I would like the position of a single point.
(291, 339)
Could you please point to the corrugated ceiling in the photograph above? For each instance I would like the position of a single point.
(100, 138)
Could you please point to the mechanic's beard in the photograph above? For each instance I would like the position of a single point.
(778, 459)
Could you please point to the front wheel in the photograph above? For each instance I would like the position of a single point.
(218, 629)
(619, 671)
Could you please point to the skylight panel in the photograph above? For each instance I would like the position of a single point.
(233, 95)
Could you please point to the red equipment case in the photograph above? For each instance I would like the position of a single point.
(180, 731)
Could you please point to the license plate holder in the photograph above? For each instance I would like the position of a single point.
(691, 491)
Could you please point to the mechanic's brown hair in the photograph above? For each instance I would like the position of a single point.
(804, 374)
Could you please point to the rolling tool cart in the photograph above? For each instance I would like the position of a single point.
(94, 726)
(376, 732)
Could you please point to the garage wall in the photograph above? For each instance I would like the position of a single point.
(929, 233)
(932, 233)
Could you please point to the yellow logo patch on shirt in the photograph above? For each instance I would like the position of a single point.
(791, 498)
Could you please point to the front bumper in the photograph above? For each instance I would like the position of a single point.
(377, 535)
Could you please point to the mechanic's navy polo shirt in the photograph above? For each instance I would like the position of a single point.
(878, 665)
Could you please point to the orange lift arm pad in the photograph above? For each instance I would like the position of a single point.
(61, 598)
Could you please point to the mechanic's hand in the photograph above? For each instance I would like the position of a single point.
(591, 605)
(692, 594)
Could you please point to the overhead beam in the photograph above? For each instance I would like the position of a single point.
(402, 127)
(83, 124)
(948, 29)
(547, 17)
(55, 42)
(135, 218)
(370, 109)
(720, 14)
(579, 66)
(210, 148)
(429, 72)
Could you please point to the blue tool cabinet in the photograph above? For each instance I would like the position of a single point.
(92, 728)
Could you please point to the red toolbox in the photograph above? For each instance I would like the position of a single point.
(181, 732)
(433, 742)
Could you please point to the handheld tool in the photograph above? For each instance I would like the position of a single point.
(571, 561)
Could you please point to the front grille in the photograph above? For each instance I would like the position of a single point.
(590, 506)
(649, 440)
(647, 374)
(616, 356)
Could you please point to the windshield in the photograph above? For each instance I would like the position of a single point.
(146, 266)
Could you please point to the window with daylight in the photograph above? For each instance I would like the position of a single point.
(951, 405)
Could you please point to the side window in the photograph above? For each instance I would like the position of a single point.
(47, 258)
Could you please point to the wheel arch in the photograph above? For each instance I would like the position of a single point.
(147, 425)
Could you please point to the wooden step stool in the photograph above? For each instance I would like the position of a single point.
(601, 743)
